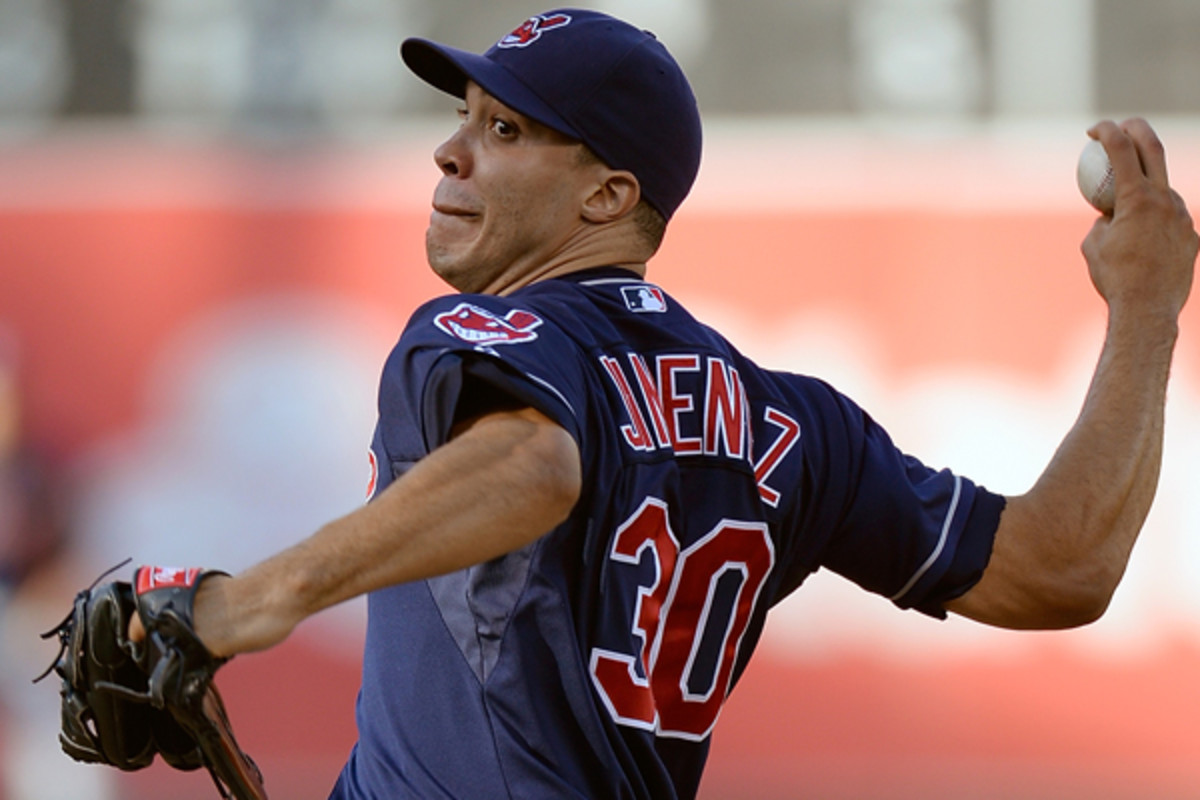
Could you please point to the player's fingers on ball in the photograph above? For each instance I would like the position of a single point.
(1102, 129)
(1122, 152)
(1102, 125)
(1151, 153)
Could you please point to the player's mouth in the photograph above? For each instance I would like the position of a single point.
(447, 207)
(451, 211)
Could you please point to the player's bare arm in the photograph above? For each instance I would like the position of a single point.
(502, 481)
(1062, 547)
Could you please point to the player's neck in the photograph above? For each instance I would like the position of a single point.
(589, 248)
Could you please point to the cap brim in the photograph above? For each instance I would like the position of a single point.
(449, 69)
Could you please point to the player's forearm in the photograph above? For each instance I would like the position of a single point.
(501, 484)
(1101, 482)
(1062, 547)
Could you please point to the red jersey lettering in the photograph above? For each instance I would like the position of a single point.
(789, 435)
(675, 403)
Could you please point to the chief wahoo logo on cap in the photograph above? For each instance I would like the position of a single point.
(531, 30)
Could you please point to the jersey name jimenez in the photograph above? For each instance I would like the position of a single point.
(696, 406)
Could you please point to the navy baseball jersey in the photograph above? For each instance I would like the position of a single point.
(594, 662)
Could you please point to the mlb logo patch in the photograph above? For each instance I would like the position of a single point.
(644, 299)
(481, 327)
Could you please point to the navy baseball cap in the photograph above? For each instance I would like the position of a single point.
(593, 78)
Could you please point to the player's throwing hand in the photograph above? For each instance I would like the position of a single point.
(1142, 258)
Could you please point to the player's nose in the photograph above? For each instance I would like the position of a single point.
(453, 156)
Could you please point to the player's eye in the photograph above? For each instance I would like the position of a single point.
(503, 128)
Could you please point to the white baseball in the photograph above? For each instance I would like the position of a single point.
(1095, 176)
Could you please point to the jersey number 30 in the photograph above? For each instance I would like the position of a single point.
(676, 616)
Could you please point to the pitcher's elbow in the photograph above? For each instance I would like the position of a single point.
(1084, 596)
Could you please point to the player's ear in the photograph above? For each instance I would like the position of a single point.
(614, 195)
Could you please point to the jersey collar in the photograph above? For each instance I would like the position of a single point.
(596, 273)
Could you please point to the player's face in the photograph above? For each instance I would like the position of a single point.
(508, 204)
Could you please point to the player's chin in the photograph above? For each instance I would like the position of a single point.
(451, 263)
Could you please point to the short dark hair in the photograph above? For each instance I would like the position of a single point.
(651, 224)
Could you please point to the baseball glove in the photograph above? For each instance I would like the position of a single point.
(124, 701)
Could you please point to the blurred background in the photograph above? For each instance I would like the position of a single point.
(211, 233)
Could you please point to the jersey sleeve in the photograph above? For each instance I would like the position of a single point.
(465, 355)
(917, 535)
